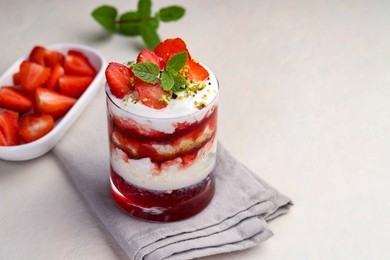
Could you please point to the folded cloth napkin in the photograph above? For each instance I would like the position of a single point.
(234, 220)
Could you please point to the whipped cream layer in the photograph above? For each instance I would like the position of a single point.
(143, 172)
(177, 111)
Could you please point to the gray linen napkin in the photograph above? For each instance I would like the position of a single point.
(234, 220)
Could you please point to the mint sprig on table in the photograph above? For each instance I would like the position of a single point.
(140, 22)
(171, 80)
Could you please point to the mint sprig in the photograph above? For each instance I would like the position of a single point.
(147, 71)
(140, 22)
(170, 78)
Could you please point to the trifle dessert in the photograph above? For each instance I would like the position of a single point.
(162, 125)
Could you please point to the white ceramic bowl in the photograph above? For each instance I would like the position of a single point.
(47, 142)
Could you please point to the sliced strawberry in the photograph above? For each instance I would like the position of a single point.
(8, 128)
(16, 78)
(196, 71)
(37, 55)
(120, 79)
(33, 75)
(33, 127)
(148, 55)
(150, 95)
(14, 99)
(170, 47)
(74, 86)
(51, 102)
(57, 72)
(52, 58)
(77, 64)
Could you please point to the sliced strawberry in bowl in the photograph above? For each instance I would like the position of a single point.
(170, 47)
(33, 75)
(120, 79)
(37, 55)
(76, 63)
(74, 86)
(16, 78)
(53, 103)
(151, 95)
(14, 99)
(8, 128)
(149, 56)
(53, 58)
(56, 73)
(34, 126)
(26, 151)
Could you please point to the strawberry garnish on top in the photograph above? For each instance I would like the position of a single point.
(120, 79)
(158, 76)
(151, 95)
(77, 63)
(170, 47)
(195, 71)
(148, 55)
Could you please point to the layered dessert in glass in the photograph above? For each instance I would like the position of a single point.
(162, 125)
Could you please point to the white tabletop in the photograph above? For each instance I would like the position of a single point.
(305, 103)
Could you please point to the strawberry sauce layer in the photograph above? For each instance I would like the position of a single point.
(162, 206)
(185, 141)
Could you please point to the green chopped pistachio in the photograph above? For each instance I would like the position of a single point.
(164, 99)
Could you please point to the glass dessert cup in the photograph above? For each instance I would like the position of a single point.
(162, 167)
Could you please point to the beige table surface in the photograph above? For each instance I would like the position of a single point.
(305, 103)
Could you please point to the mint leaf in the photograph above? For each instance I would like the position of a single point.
(139, 22)
(177, 61)
(171, 13)
(167, 81)
(147, 71)
(105, 15)
(149, 34)
(144, 8)
(129, 23)
(180, 83)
